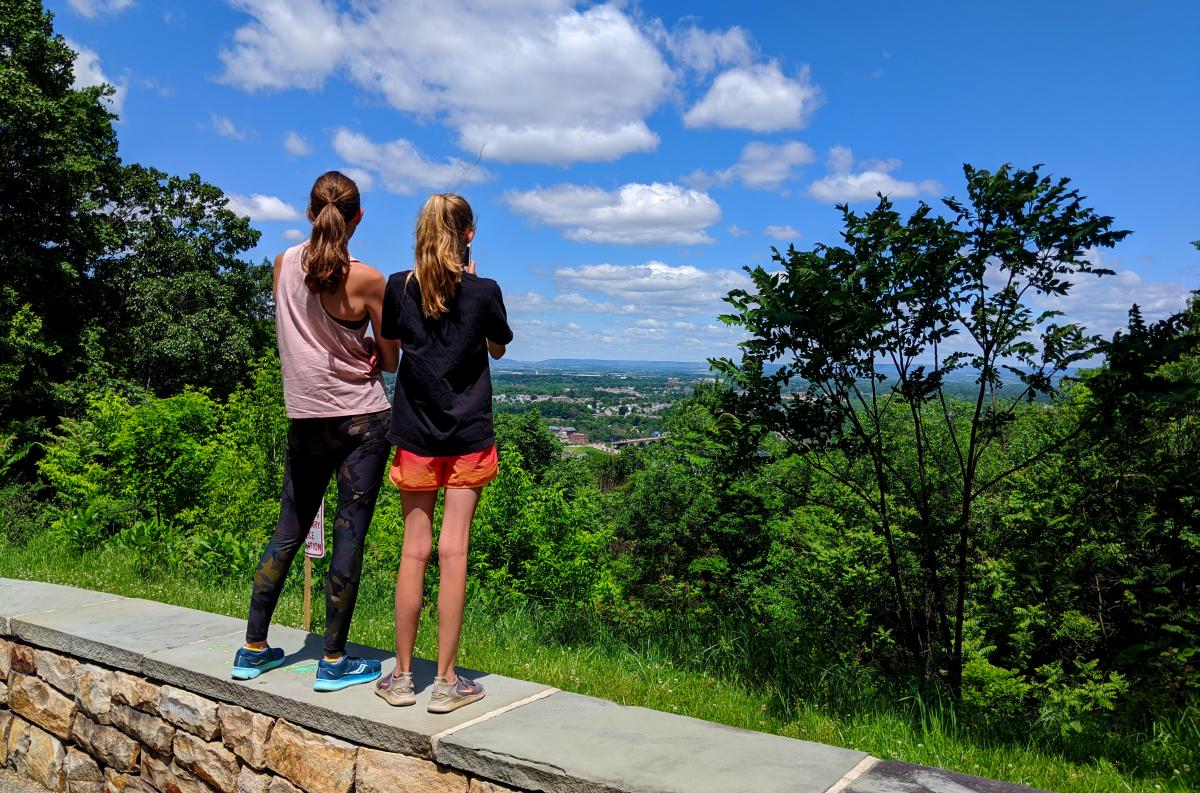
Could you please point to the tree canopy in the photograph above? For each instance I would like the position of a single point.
(852, 345)
(118, 276)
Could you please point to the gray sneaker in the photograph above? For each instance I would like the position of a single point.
(452, 696)
(397, 689)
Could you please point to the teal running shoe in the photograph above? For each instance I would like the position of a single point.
(249, 664)
(349, 671)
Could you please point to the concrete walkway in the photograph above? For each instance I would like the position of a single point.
(522, 734)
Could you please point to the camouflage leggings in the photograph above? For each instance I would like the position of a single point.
(356, 449)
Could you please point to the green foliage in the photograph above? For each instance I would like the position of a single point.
(613, 470)
(180, 307)
(526, 434)
(241, 495)
(24, 350)
(1070, 699)
(202, 477)
(60, 171)
(12, 452)
(162, 451)
(1103, 570)
(532, 543)
(146, 540)
(219, 553)
(79, 531)
(117, 278)
(75, 461)
(870, 329)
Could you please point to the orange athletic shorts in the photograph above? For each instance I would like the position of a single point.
(413, 472)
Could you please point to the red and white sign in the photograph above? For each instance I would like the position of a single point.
(314, 546)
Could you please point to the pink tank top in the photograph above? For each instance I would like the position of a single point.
(326, 366)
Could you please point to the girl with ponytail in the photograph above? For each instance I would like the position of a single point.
(447, 320)
(338, 411)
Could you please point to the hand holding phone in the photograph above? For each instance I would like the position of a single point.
(468, 264)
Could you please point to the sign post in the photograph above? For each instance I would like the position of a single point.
(314, 548)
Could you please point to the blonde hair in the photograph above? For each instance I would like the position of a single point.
(333, 205)
(441, 236)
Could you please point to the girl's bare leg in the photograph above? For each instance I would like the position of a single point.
(410, 580)
(452, 559)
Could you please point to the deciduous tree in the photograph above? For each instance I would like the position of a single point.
(852, 345)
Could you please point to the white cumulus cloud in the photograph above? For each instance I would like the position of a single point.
(1102, 303)
(654, 285)
(294, 235)
(761, 166)
(571, 302)
(555, 145)
(525, 81)
(226, 128)
(759, 98)
(540, 81)
(843, 184)
(257, 206)
(94, 8)
(402, 167)
(704, 50)
(289, 45)
(782, 233)
(548, 338)
(633, 214)
(295, 144)
(88, 73)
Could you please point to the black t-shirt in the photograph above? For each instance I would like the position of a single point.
(443, 401)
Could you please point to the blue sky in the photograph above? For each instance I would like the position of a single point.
(625, 161)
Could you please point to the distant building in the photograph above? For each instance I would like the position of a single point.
(577, 438)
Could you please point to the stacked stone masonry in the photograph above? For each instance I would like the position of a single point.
(77, 727)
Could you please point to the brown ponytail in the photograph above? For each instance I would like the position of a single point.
(332, 205)
(441, 235)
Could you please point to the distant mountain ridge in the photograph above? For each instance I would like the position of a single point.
(576, 365)
(601, 365)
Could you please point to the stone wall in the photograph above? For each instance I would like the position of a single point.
(78, 727)
(100, 692)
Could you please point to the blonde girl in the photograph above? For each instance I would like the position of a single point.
(447, 320)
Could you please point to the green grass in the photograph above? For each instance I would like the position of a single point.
(634, 672)
(586, 451)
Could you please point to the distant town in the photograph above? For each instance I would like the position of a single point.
(601, 405)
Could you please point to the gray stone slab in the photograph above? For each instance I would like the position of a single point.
(892, 776)
(119, 632)
(577, 744)
(19, 597)
(354, 714)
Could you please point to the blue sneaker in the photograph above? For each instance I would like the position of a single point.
(249, 664)
(347, 672)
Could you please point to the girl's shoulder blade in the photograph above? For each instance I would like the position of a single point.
(361, 270)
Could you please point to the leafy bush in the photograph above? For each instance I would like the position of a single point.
(533, 543)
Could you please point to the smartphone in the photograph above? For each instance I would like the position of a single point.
(466, 256)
